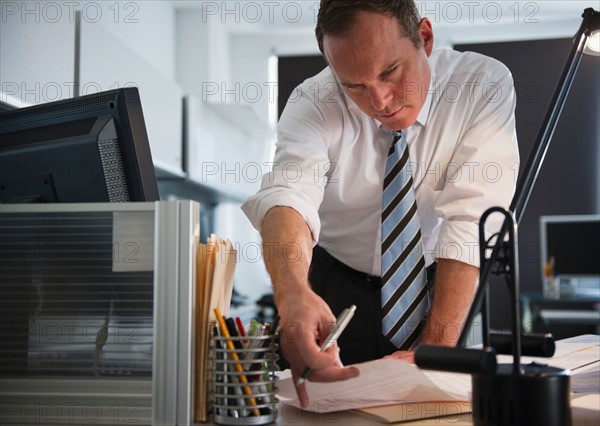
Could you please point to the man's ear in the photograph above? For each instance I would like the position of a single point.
(426, 35)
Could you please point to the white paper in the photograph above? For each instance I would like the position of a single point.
(392, 381)
(381, 382)
(570, 354)
(586, 382)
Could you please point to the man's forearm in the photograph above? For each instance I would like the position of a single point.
(455, 286)
(287, 248)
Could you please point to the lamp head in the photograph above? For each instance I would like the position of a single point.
(592, 47)
(592, 30)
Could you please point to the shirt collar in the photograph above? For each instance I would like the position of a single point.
(424, 113)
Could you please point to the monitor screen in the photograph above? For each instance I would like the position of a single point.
(92, 148)
(574, 242)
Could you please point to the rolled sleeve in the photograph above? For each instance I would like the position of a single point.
(274, 194)
(459, 241)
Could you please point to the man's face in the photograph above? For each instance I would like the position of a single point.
(382, 71)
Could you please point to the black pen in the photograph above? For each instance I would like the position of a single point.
(334, 334)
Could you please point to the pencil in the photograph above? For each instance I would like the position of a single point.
(237, 366)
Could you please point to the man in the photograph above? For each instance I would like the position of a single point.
(319, 210)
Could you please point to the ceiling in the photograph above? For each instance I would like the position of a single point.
(453, 21)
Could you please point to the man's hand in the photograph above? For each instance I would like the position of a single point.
(408, 356)
(306, 320)
(454, 289)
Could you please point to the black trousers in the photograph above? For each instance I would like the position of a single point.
(341, 286)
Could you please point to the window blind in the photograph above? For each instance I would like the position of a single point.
(76, 298)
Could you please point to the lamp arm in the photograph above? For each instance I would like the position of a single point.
(538, 152)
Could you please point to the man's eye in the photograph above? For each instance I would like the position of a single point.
(390, 71)
(353, 87)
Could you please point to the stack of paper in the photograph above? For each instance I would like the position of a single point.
(381, 382)
(214, 285)
(388, 391)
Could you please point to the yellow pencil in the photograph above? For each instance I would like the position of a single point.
(238, 367)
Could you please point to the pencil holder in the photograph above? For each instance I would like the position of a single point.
(243, 380)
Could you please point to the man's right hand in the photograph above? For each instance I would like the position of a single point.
(305, 321)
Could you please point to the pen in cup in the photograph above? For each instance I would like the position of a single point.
(237, 365)
(340, 324)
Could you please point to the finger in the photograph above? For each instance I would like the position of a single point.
(320, 360)
(335, 350)
(334, 374)
(325, 328)
(298, 344)
(408, 356)
(300, 391)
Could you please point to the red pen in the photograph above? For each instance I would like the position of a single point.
(241, 330)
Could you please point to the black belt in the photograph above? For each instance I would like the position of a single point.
(370, 280)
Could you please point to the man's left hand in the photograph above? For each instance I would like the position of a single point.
(408, 356)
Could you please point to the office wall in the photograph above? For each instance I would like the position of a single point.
(37, 55)
(146, 27)
(37, 42)
(249, 59)
(192, 46)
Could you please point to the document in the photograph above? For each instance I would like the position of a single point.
(571, 354)
(215, 270)
(381, 382)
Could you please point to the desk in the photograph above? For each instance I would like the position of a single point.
(585, 410)
(585, 406)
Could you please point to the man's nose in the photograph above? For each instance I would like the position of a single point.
(380, 95)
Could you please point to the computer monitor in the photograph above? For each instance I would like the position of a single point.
(574, 243)
(92, 148)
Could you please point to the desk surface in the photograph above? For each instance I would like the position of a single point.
(585, 412)
(585, 407)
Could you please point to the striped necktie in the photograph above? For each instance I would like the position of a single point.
(404, 298)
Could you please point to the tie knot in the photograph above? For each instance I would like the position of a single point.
(397, 136)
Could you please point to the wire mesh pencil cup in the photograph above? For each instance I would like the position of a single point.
(243, 380)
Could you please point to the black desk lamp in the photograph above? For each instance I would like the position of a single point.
(515, 394)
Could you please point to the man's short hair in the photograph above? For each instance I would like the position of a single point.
(337, 16)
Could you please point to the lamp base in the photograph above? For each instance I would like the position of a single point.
(540, 396)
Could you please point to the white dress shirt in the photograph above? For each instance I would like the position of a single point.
(330, 161)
